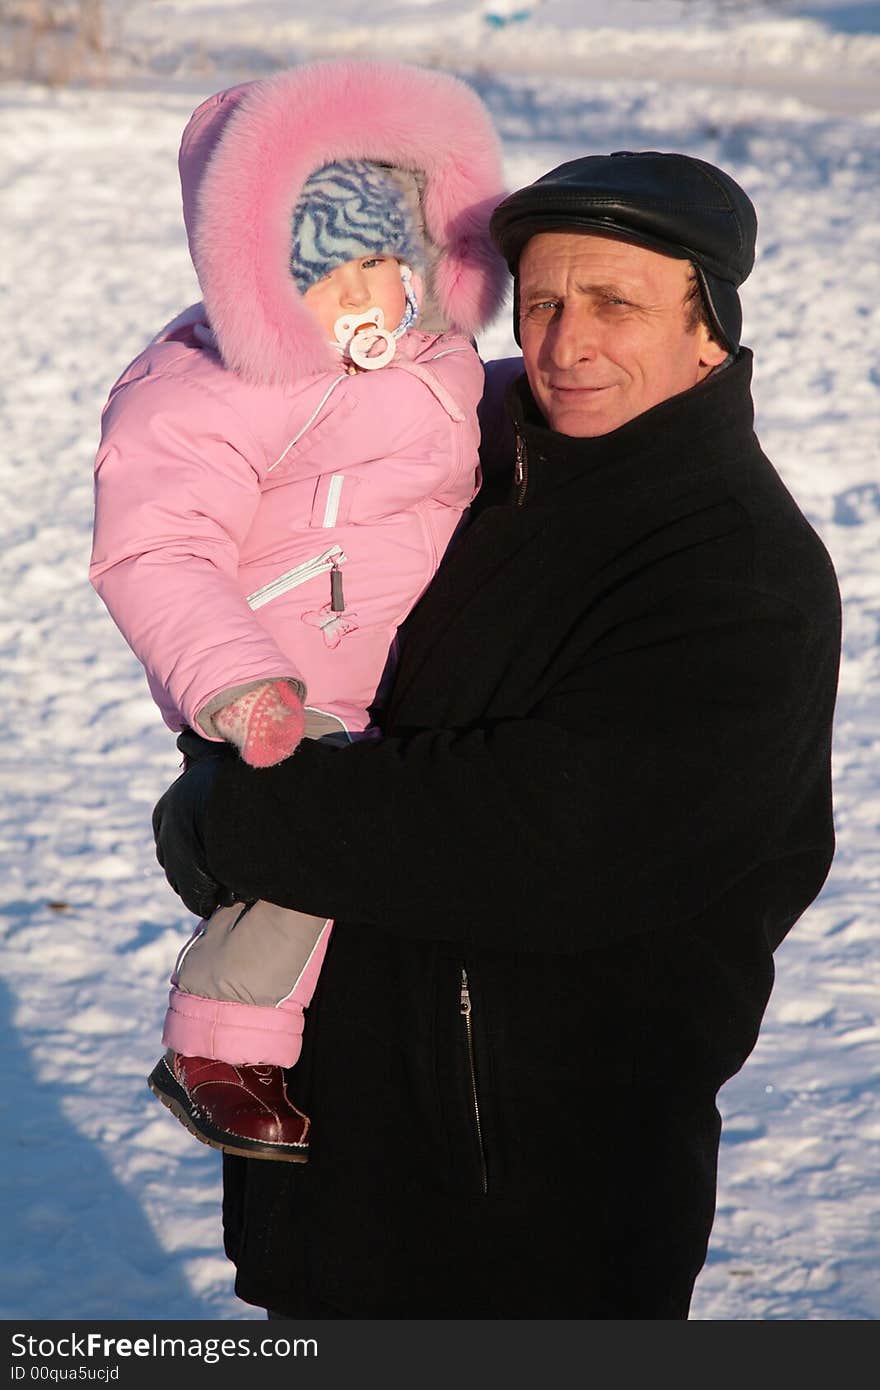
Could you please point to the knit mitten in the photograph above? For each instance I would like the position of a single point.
(265, 723)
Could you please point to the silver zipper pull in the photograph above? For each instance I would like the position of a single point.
(520, 460)
(465, 996)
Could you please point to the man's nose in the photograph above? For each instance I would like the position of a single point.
(573, 337)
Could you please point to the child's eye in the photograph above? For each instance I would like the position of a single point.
(371, 262)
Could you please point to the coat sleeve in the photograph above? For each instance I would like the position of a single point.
(176, 489)
(686, 752)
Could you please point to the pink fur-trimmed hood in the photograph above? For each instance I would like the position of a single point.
(246, 154)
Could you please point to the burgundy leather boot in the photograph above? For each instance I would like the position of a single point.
(240, 1109)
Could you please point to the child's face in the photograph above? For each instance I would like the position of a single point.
(355, 286)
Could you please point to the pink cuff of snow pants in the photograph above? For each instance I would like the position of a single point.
(245, 1034)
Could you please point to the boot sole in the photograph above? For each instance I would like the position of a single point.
(168, 1090)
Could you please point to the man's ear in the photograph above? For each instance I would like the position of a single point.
(712, 353)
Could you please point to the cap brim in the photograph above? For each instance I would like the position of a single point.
(511, 237)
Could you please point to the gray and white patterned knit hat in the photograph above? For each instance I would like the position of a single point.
(349, 209)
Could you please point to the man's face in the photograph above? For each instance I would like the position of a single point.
(603, 331)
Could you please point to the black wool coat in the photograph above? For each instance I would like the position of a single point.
(602, 801)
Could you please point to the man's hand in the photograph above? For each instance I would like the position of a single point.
(178, 828)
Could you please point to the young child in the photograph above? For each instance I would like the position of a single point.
(280, 473)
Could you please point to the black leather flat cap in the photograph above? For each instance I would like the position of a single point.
(671, 203)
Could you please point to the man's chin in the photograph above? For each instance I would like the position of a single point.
(584, 414)
(584, 424)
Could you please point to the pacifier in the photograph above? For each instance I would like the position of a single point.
(365, 339)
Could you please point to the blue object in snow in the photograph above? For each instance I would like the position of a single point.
(498, 21)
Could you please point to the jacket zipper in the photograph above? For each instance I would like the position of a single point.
(334, 493)
(469, 1035)
(311, 420)
(521, 470)
(328, 560)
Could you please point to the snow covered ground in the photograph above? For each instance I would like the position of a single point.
(108, 1208)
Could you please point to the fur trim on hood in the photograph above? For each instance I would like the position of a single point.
(246, 154)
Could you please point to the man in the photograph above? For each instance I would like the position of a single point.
(602, 799)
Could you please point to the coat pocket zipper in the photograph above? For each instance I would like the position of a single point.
(300, 574)
(469, 1037)
(521, 470)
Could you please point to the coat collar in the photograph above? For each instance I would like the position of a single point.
(677, 439)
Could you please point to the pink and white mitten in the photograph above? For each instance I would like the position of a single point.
(265, 723)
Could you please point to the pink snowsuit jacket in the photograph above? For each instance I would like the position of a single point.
(238, 463)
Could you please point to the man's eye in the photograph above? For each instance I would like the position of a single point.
(542, 308)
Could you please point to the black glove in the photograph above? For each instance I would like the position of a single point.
(178, 826)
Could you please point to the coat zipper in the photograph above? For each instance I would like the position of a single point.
(311, 420)
(328, 560)
(334, 493)
(469, 1035)
(521, 470)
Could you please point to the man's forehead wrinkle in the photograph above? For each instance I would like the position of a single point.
(585, 279)
(585, 259)
(603, 287)
(592, 288)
